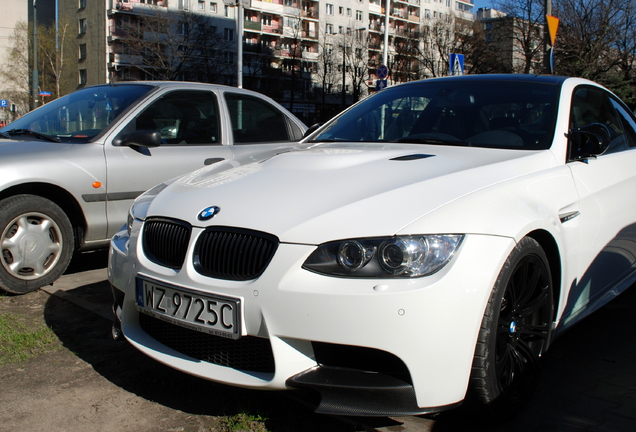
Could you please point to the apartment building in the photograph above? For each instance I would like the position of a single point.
(515, 44)
(315, 56)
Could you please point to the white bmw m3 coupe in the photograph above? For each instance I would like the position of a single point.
(426, 244)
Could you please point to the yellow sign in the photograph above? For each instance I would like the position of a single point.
(553, 23)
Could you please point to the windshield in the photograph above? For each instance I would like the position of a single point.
(79, 116)
(498, 114)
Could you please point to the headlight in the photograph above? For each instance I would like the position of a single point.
(384, 257)
(139, 208)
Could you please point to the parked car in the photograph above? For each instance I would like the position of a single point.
(427, 243)
(71, 169)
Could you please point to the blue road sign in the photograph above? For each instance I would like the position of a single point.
(4, 103)
(383, 72)
(456, 64)
(45, 93)
(380, 84)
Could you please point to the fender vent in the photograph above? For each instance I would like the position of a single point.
(412, 157)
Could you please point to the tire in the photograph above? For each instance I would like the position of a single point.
(37, 243)
(515, 333)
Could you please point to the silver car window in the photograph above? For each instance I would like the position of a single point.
(182, 117)
(254, 120)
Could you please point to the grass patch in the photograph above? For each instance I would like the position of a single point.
(20, 342)
(243, 422)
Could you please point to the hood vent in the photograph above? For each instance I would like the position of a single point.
(412, 157)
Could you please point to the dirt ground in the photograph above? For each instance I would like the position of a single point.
(88, 382)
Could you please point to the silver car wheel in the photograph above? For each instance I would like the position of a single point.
(31, 246)
(36, 242)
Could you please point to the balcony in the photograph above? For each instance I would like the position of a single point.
(252, 25)
(310, 14)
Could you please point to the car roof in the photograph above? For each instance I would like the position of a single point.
(549, 79)
(178, 84)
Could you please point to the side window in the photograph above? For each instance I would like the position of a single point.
(254, 120)
(592, 105)
(629, 124)
(181, 117)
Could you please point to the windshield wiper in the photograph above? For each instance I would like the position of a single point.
(30, 132)
(436, 141)
(329, 140)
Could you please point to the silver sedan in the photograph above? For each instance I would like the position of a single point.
(70, 170)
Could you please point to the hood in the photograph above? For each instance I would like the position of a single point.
(336, 191)
(18, 148)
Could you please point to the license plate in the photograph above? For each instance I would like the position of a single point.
(211, 314)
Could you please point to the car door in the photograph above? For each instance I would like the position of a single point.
(190, 125)
(607, 219)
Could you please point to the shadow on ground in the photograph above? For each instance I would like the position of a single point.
(88, 336)
(589, 381)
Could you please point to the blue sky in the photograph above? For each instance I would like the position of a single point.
(480, 4)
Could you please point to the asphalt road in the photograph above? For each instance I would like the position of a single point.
(589, 381)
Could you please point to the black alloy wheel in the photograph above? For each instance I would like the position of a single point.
(515, 332)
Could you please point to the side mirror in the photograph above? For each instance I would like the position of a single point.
(140, 139)
(313, 128)
(588, 141)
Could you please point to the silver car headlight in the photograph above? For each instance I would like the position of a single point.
(140, 206)
(384, 257)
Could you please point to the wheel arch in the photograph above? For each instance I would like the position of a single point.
(60, 196)
(551, 249)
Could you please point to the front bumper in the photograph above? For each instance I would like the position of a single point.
(369, 347)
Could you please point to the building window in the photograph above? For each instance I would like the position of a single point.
(329, 29)
(348, 11)
(229, 57)
(82, 4)
(82, 26)
(212, 7)
(183, 29)
(184, 5)
(341, 10)
(329, 9)
(201, 5)
(228, 34)
(358, 15)
(82, 51)
(82, 76)
(266, 20)
(329, 48)
(340, 30)
(122, 21)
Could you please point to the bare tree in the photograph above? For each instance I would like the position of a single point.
(428, 55)
(356, 53)
(326, 75)
(16, 77)
(589, 31)
(518, 35)
(170, 45)
(54, 55)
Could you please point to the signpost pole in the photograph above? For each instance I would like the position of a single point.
(35, 83)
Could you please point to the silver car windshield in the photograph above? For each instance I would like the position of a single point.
(497, 114)
(79, 116)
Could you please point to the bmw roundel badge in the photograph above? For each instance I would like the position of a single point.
(208, 213)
